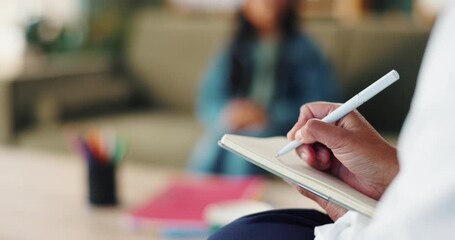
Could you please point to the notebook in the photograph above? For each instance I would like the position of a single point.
(182, 202)
(262, 152)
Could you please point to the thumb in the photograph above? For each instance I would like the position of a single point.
(331, 136)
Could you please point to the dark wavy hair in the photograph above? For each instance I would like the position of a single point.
(241, 50)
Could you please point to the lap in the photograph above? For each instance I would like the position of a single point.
(277, 224)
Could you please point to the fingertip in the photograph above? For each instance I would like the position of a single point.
(290, 135)
(306, 153)
(298, 135)
(303, 155)
(315, 155)
(323, 156)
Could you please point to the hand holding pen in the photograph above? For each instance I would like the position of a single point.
(349, 149)
(351, 105)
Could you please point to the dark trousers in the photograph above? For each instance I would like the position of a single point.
(286, 224)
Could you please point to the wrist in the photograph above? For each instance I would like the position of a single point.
(390, 169)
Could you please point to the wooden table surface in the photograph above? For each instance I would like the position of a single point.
(43, 196)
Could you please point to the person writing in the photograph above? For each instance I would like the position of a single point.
(253, 88)
(415, 184)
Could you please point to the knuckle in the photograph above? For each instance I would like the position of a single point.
(311, 123)
(303, 108)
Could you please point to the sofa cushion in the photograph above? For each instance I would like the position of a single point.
(159, 137)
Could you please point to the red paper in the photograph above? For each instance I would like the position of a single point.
(183, 202)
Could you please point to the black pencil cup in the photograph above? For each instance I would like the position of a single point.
(102, 185)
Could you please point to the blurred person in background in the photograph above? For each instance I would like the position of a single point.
(256, 86)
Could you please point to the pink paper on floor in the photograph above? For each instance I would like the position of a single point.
(183, 201)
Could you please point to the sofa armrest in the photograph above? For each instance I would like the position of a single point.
(6, 114)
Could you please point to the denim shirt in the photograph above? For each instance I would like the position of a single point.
(303, 75)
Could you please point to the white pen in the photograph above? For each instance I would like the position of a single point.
(350, 105)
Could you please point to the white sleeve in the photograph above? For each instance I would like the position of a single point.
(419, 204)
(345, 228)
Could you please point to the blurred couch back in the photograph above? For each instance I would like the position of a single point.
(169, 53)
(363, 52)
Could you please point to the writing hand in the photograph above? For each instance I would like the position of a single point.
(351, 149)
